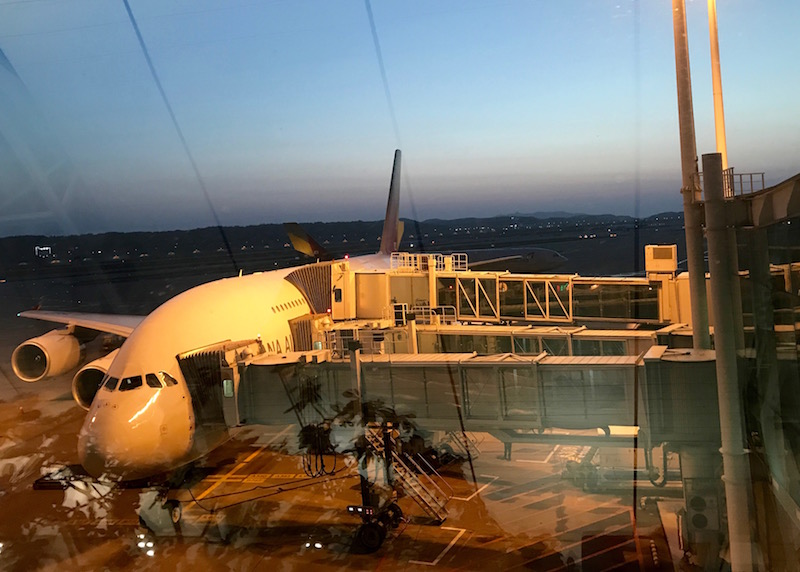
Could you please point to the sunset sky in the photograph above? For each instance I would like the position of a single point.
(499, 107)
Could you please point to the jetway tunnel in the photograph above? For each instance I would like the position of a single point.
(668, 393)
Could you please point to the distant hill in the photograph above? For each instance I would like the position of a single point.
(549, 214)
(256, 245)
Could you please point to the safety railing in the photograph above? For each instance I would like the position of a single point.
(738, 184)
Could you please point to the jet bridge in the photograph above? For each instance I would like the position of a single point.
(438, 288)
(522, 395)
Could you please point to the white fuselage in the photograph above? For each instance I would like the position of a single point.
(140, 428)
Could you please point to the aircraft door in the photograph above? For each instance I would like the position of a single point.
(230, 391)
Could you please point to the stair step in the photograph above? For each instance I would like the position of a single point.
(410, 481)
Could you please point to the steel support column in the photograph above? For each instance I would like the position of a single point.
(734, 457)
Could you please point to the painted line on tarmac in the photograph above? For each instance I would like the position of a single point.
(461, 532)
(546, 460)
(225, 477)
(480, 490)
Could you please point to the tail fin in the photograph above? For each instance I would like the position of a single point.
(305, 243)
(390, 239)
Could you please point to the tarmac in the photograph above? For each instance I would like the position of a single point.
(251, 504)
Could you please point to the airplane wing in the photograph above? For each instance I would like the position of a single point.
(479, 263)
(117, 324)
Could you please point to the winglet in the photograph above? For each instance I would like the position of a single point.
(390, 239)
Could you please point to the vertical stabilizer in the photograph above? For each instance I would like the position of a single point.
(305, 243)
(390, 239)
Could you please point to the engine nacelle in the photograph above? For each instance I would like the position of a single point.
(88, 379)
(53, 353)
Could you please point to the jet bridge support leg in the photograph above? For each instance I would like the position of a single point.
(378, 515)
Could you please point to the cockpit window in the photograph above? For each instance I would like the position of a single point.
(129, 383)
(167, 378)
(152, 380)
(110, 383)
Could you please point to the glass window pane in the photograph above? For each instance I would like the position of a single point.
(556, 346)
(466, 297)
(167, 378)
(482, 397)
(129, 383)
(512, 298)
(520, 393)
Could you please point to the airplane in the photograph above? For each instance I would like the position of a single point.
(516, 259)
(143, 418)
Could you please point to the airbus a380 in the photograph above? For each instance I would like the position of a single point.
(141, 418)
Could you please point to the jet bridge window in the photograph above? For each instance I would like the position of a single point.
(129, 383)
(111, 383)
(153, 381)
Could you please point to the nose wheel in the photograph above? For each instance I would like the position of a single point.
(158, 514)
(175, 510)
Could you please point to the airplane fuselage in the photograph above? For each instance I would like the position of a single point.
(142, 423)
(143, 420)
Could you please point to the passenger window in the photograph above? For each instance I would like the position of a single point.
(152, 380)
(167, 378)
(111, 383)
(129, 383)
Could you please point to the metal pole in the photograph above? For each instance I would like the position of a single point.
(722, 149)
(690, 189)
(734, 457)
(716, 78)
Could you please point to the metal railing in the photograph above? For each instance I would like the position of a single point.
(738, 184)
(410, 262)
(373, 342)
(425, 315)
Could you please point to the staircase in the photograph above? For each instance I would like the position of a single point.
(412, 479)
(464, 443)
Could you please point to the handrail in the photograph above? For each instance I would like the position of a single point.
(435, 472)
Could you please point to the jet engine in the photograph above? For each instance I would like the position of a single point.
(88, 379)
(51, 354)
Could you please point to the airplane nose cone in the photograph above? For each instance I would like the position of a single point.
(131, 436)
(100, 450)
(92, 460)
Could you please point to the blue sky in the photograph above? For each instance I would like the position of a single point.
(501, 106)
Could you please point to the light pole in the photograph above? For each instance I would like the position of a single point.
(690, 188)
(716, 78)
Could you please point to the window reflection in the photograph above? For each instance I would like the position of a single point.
(152, 380)
(111, 383)
(128, 383)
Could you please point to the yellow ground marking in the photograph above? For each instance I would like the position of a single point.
(225, 477)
